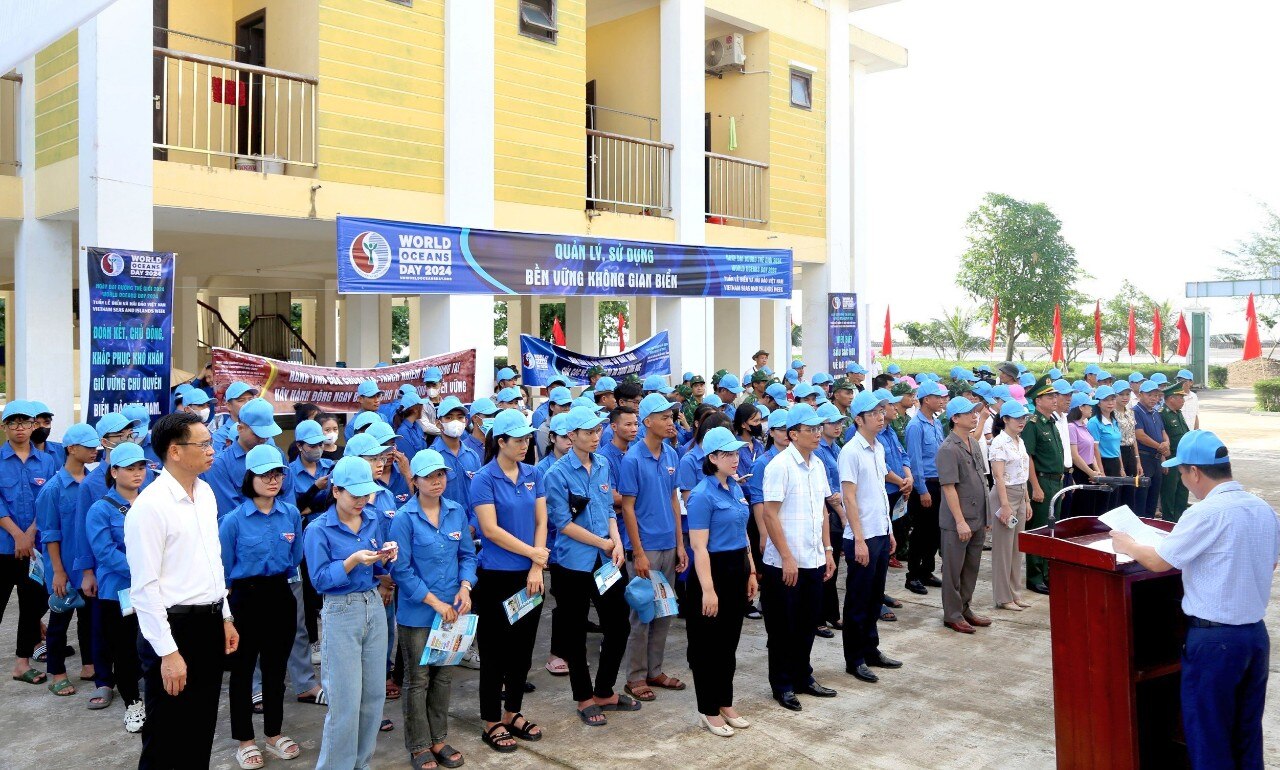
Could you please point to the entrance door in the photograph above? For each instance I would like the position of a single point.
(706, 162)
(251, 37)
(160, 37)
(591, 120)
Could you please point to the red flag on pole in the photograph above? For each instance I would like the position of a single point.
(995, 323)
(1252, 343)
(557, 332)
(1184, 336)
(622, 337)
(1157, 349)
(1097, 327)
(886, 349)
(1057, 334)
(1133, 332)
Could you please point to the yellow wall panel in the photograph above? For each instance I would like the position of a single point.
(797, 146)
(57, 110)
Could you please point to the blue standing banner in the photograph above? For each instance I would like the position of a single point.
(131, 330)
(842, 331)
(382, 257)
(540, 361)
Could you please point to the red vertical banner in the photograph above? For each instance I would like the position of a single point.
(557, 332)
(886, 348)
(995, 323)
(1184, 336)
(1252, 342)
(1157, 328)
(1133, 332)
(1057, 334)
(622, 337)
(1097, 327)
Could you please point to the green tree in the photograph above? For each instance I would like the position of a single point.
(1115, 319)
(548, 312)
(608, 329)
(1253, 259)
(399, 330)
(500, 324)
(1077, 331)
(954, 331)
(1017, 254)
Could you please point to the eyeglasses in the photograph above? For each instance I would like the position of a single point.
(271, 476)
(204, 445)
(20, 424)
(808, 429)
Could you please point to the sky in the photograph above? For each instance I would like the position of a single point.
(1148, 127)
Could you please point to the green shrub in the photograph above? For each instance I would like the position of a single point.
(1267, 395)
(1217, 376)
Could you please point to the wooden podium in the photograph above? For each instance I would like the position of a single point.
(1117, 633)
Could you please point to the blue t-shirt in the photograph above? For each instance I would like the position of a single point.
(895, 456)
(410, 439)
(464, 465)
(755, 484)
(304, 480)
(226, 477)
(722, 512)
(1151, 423)
(569, 476)
(432, 559)
(105, 524)
(57, 522)
(1107, 435)
(651, 481)
(515, 508)
(924, 438)
(689, 471)
(614, 457)
(542, 467)
(829, 453)
(255, 544)
(327, 544)
(20, 482)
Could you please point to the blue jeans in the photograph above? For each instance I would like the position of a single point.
(353, 649)
(1224, 690)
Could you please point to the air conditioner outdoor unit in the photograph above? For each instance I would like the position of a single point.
(725, 52)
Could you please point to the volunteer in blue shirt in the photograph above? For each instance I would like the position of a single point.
(924, 438)
(603, 393)
(829, 452)
(23, 471)
(1227, 546)
(775, 441)
(725, 581)
(196, 401)
(748, 427)
(543, 412)
(626, 426)
(407, 423)
(559, 447)
(1153, 445)
(1106, 431)
(369, 398)
(897, 480)
(511, 506)
(580, 505)
(505, 378)
(105, 525)
(394, 473)
(388, 410)
(255, 426)
(481, 410)
(312, 494)
(310, 471)
(435, 573)
(345, 555)
(463, 460)
(508, 398)
(57, 524)
(237, 395)
(559, 401)
(40, 436)
(141, 415)
(728, 389)
(261, 549)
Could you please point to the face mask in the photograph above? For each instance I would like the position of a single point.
(331, 438)
(453, 428)
(433, 392)
(202, 414)
(312, 454)
(39, 435)
(757, 430)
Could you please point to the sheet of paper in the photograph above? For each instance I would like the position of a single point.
(448, 642)
(1107, 546)
(664, 597)
(520, 604)
(1124, 520)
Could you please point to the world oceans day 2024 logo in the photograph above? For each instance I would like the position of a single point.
(370, 255)
(112, 264)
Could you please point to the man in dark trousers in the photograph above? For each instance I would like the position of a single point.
(924, 438)
(1044, 447)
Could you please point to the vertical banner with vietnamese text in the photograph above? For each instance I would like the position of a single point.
(131, 330)
(842, 331)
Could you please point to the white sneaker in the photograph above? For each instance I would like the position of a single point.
(135, 716)
(315, 654)
(471, 659)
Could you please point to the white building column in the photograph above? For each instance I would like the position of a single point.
(688, 321)
(115, 115)
(739, 323)
(326, 343)
(582, 324)
(186, 324)
(361, 330)
(452, 322)
(857, 212)
(775, 334)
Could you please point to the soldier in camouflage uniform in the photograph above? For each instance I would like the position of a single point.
(1173, 493)
(1044, 446)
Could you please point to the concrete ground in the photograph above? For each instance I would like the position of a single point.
(959, 701)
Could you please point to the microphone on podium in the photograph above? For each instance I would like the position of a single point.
(1097, 484)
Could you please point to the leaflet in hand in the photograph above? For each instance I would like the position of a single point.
(448, 642)
(664, 598)
(126, 603)
(36, 570)
(606, 576)
(520, 604)
(1124, 520)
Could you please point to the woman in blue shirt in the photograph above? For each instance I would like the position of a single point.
(748, 426)
(775, 442)
(261, 549)
(346, 555)
(104, 525)
(725, 582)
(1106, 431)
(434, 575)
(410, 437)
(559, 447)
(511, 509)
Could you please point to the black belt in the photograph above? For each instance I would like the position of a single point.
(1051, 473)
(214, 608)
(1195, 622)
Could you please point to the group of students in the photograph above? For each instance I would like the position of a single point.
(347, 555)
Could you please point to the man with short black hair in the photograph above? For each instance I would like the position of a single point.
(759, 361)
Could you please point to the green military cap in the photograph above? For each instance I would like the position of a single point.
(633, 378)
(1173, 390)
(715, 378)
(959, 388)
(1042, 387)
(899, 389)
(842, 384)
(595, 370)
(761, 377)
(697, 380)
(684, 390)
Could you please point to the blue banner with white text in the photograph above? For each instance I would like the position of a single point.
(541, 360)
(381, 257)
(842, 331)
(131, 320)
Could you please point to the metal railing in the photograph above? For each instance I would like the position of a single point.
(10, 126)
(628, 174)
(737, 189)
(221, 108)
(213, 331)
(622, 122)
(268, 335)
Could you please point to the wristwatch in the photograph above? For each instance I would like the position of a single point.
(229, 619)
(466, 584)
(829, 548)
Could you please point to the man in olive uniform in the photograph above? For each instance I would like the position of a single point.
(698, 385)
(593, 374)
(842, 393)
(1173, 493)
(1044, 446)
(759, 381)
(899, 423)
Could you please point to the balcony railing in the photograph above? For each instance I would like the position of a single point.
(254, 116)
(737, 190)
(10, 94)
(628, 174)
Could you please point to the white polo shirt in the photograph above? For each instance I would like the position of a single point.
(862, 463)
(802, 488)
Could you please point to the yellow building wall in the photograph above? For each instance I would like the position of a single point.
(539, 109)
(797, 142)
(57, 114)
(623, 57)
(381, 103)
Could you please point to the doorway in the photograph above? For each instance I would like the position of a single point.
(251, 42)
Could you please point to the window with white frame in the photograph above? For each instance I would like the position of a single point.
(801, 89)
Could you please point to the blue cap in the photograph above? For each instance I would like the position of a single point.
(432, 374)
(1013, 409)
(381, 365)
(778, 418)
(1199, 447)
(777, 391)
(354, 475)
(508, 395)
(802, 391)
(894, 369)
(802, 414)
(640, 596)
(961, 373)
(18, 408)
(767, 370)
(687, 376)
(364, 420)
(763, 410)
(259, 460)
(982, 388)
(72, 600)
(883, 394)
(368, 389)
(817, 379)
(605, 384)
(363, 445)
(237, 389)
(822, 397)
(1185, 374)
(483, 406)
(1103, 374)
(1104, 391)
(450, 404)
(731, 383)
(713, 400)
(657, 384)
(81, 434)
(1000, 392)
(427, 462)
(959, 405)
(582, 402)
(505, 373)
(797, 364)
(136, 412)
(1159, 378)
(1080, 386)
(558, 379)
(855, 368)
(791, 376)
(409, 400)
(1026, 379)
(721, 439)
(985, 369)
(583, 418)
(864, 402)
(1055, 373)
(381, 432)
(655, 403)
(559, 424)
(930, 388)
(1136, 377)
(1093, 369)
(1149, 386)
(309, 432)
(1080, 399)
(560, 396)
(41, 407)
(127, 454)
(510, 423)
(113, 422)
(195, 397)
(1022, 368)
(1062, 388)
(830, 414)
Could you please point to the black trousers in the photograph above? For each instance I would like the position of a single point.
(575, 592)
(266, 617)
(506, 650)
(1111, 466)
(33, 601)
(901, 528)
(121, 634)
(55, 637)
(1149, 499)
(830, 596)
(713, 642)
(791, 618)
(178, 734)
(1129, 495)
(925, 536)
(863, 590)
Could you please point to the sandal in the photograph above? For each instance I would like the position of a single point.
(524, 732)
(424, 761)
(257, 703)
(448, 756)
(588, 713)
(560, 668)
(41, 652)
(321, 698)
(393, 690)
(640, 690)
(492, 736)
(889, 601)
(104, 696)
(386, 726)
(666, 682)
(243, 755)
(622, 704)
(32, 676)
(284, 748)
(887, 615)
(835, 625)
(62, 687)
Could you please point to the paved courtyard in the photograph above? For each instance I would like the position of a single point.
(959, 701)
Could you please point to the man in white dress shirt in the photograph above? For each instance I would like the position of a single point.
(178, 591)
